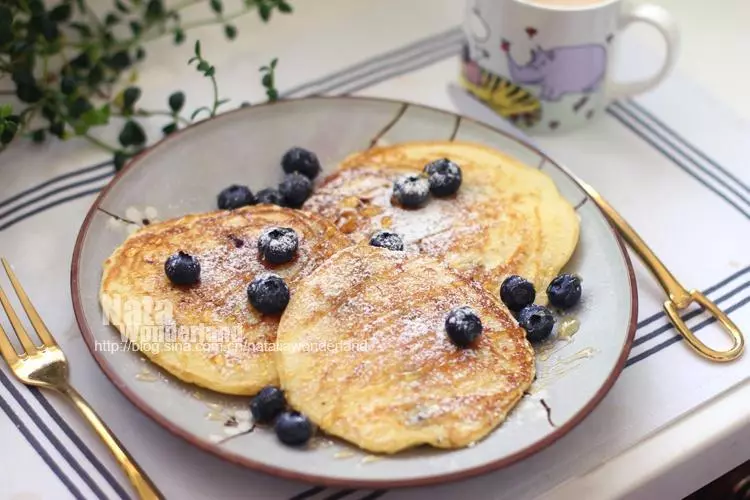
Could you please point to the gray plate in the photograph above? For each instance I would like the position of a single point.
(183, 174)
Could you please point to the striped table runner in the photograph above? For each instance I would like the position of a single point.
(671, 161)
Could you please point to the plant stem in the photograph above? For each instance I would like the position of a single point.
(97, 142)
(216, 96)
(219, 20)
(147, 113)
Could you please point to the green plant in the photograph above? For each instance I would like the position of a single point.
(66, 64)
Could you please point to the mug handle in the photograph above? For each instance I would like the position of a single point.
(662, 20)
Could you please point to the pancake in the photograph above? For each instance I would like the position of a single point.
(364, 354)
(208, 334)
(506, 218)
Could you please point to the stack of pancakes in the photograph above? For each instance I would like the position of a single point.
(361, 348)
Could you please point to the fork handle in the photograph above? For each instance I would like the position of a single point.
(141, 482)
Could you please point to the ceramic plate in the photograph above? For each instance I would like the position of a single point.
(183, 174)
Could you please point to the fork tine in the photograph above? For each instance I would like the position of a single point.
(21, 333)
(6, 348)
(34, 318)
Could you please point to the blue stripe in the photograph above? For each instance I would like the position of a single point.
(678, 338)
(39, 449)
(684, 155)
(670, 156)
(80, 444)
(49, 182)
(689, 316)
(48, 205)
(51, 436)
(55, 191)
(707, 291)
(688, 145)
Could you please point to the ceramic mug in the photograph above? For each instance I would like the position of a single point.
(545, 64)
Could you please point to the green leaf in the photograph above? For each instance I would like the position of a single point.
(203, 66)
(5, 110)
(154, 10)
(28, 93)
(198, 49)
(176, 101)
(273, 94)
(8, 133)
(274, 62)
(111, 19)
(82, 29)
(230, 32)
(57, 129)
(210, 72)
(179, 36)
(60, 13)
(96, 117)
(120, 5)
(119, 159)
(264, 11)
(78, 107)
(136, 28)
(132, 134)
(119, 60)
(38, 136)
(170, 128)
(96, 76)
(267, 80)
(81, 127)
(216, 6)
(140, 54)
(284, 7)
(67, 85)
(129, 97)
(221, 102)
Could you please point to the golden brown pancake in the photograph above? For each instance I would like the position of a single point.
(139, 298)
(506, 218)
(364, 353)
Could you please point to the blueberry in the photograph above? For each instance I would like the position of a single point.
(182, 269)
(293, 428)
(517, 293)
(537, 321)
(278, 245)
(564, 291)
(411, 190)
(235, 197)
(295, 189)
(444, 177)
(463, 326)
(269, 196)
(301, 160)
(386, 239)
(267, 404)
(268, 293)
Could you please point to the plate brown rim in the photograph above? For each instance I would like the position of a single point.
(217, 450)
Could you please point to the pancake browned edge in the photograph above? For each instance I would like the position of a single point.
(366, 357)
(507, 218)
(208, 334)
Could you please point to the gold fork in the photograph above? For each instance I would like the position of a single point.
(45, 366)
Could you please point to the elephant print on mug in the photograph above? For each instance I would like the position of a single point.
(578, 69)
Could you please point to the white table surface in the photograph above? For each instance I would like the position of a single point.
(709, 441)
